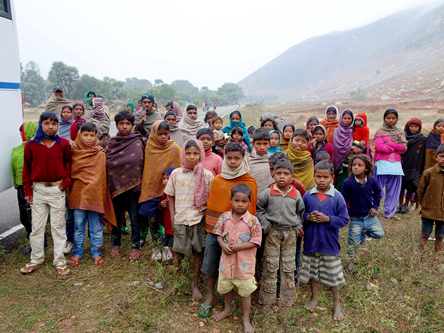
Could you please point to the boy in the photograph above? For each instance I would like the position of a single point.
(238, 234)
(189, 125)
(325, 213)
(218, 134)
(430, 194)
(46, 176)
(104, 140)
(259, 166)
(301, 158)
(89, 194)
(124, 166)
(281, 226)
(322, 156)
(212, 162)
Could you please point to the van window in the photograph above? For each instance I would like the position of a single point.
(5, 9)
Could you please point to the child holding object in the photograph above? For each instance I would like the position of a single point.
(319, 143)
(237, 136)
(239, 234)
(325, 213)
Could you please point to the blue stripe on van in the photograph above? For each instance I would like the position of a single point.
(9, 85)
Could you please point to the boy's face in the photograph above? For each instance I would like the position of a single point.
(271, 169)
(240, 202)
(331, 115)
(192, 114)
(192, 156)
(207, 141)
(261, 146)
(233, 159)
(124, 127)
(319, 135)
(170, 120)
(91, 96)
(235, 117)
(282, 177)
(323, 179)
(440, 159)
(236, 136)
(147, 105)
(358, 122)
(439, 127)
(50, 127)
(163, 135)
(268, 125)
(66, 114)
(89, 137)
(165, 178)
(217, 124)
(274, 140)
(78, 111)
(300, 143)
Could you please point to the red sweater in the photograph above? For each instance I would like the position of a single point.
(328, 148)
(46, 164)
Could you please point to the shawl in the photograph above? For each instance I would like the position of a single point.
(90, 102)
(189, 127)
(29, 129)
(158, 157)
(276, 149)
(342, 142)
(397, 134)
(65, 125)
(317, 149)
(303, 166)
(361, 133)
(55, 102)
(132, 106)
(413, 159)
(227, 129)
(280, 122)
(260, 170)
(124, 162)
(175, 133)
(40, 135)
(99, 111)
(434, 140)
(151, 117)
(284, 143)
(73, 128)
(242, 143)
(177, 111)
(242, 169)
(89, 189)
(330, 124)
(200, 190)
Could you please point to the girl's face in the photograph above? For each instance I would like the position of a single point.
(358, 123)
(236, 136)
(347, 119)
(319, 135)
(288, 133)
(209, 119)
(217, 124)
(66, 114)
(78, 111)
(235, 117)
(192, 155)
(269, 126)
(331, 115)
(390, 120)
(358, 167)
(300, 143)
(312, 125)
(274, 140)
(440, 128)
(163, 135)
(170, 120)
(414, 129)
(165, 178)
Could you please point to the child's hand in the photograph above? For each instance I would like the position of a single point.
(235, 247)
(72, 143)
(163, 203)
(372, 212)
(143, 115)
(345, 165)
(29, 200)
(226, 248)
(319, 217)
(61, 188)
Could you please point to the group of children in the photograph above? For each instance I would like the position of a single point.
(240, 200)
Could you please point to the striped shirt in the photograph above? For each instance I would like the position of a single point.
(181, 186)
(389, 168)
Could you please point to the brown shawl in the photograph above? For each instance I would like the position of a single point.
(55, 103)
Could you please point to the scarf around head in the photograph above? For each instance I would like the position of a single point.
(413, 159)
(276, 149)
(132, 106)
(242, 169)
(396, 133)
(90, 102)
(227, 129)
(158, 157)
(303, 166)
(342, 141)
(40, 135)
(177, 111)
(200, 190)
(361, 133)
(317, 149)
(55, 102)
(330, 124)
(65, 125)
(189, 127)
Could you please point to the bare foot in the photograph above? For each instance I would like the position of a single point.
(195, 293)
(248, 328)
(266, 309)
(222, 315)
(172, 291)
(312, 304)
(209, 301)
(337, 313)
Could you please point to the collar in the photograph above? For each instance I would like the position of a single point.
(438, 168)
(292, 192)
(365, 181)
(330, 192)
(244, 217)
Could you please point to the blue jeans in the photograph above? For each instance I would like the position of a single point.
(69, 223)
(360, 227)
(95, 229)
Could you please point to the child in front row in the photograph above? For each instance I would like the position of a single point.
(239, 234)
(325, 213)
(168, 240)
(280, 210)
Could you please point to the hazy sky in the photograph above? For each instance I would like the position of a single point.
(195, 40)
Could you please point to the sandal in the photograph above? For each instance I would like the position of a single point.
(29, 268)
(27, 249)
(62, 270)
(398, 209)
(115, 253)
(134, 256)
(206, 308)
(232, 303)
(98, 260)
(74, 262)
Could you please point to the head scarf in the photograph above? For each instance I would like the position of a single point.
(317, 149)
(275, 149)
(40, 135)
(169, 170)
(90, 102)
(303, 166)
(397, 134)
(73, 128)
(362, 133)
(242, 169)
(149, 96)
(342, 140)
(132, 106)
(99, 111)
(413, 159)
(177, 111)
(175, 133)
(227, 129)
(200, 190)
(415, 121)
(65, 125)
(330, 124)
(189, 127)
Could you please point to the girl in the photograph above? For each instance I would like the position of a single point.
(269, 124)
(236, 120)
(66, 120)
(237, 135)
(311, 123)
(319, 143)
(166, 221)
(208, 119)
(130, 107)
(330, 122)
(160, 154)
(412, 162)
(361, 131)
(342, 144)
(287, 133)
(275, 140)
(390, 142)
(434, 140)
(175, 133)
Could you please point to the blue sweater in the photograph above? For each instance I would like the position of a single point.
(360, 199)
(324, 237)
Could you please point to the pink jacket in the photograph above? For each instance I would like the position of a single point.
(387, 150)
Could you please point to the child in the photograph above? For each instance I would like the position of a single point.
(412, 162)
(104, 140)
(213, 162)
(46, 176)
(175, 134)
(430, 194)
(390, 142)
(275, 140)
(99, 111)
(259, 159)
(330, 122)
(189, 124)
(238, 234)
(218, 135)
(89, 195)
(325, 213)
(362, 195)
(209, 118)
(66, 120)
(287, 133)
(188, 188)
(319, 143)
(163, 206)
(311, 123)
(236, 120)
(280, 210)
(434, 140)
(250, 133)
(322, 156)
(300, 158)
(237, 136)
(234, 171)
(361, 131)
(269, 124)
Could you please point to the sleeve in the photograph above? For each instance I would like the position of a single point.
(261, 206)
(331, 151)
(310, 149)
(422, 187)
(381, 147)
(400, 147)
(340, 219)
(306, 206)
(161, 199)
(300, 208)
(170, 189)
(256, 232)
(67, 164)
(219, 227)
(26, 174)
(346, 191)
(377, 194)
(219, 166)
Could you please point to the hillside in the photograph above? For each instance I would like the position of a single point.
(392, 56)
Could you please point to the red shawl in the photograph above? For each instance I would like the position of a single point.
(361, 133)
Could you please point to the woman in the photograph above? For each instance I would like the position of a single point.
(175, 133)
(330, 122)
(342, 144)
(66, 120)
(236, 120)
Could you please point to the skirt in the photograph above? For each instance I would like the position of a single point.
(324, 268)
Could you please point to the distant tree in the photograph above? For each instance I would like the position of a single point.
(158, 82)
(64, 76)
(33, 85)
(185, 86)
(85, 84)
(164, 93)
(358, 94)
(232, 91)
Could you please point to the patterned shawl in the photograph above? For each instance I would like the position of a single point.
(65, 125)
(303, 166)
(330, 124)
(124, 162)
(413, 159)
(342, 141)
(158, 157)
(99, 111)
(397, 134)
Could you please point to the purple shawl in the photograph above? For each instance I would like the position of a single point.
(177, 111)
(342, 141)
